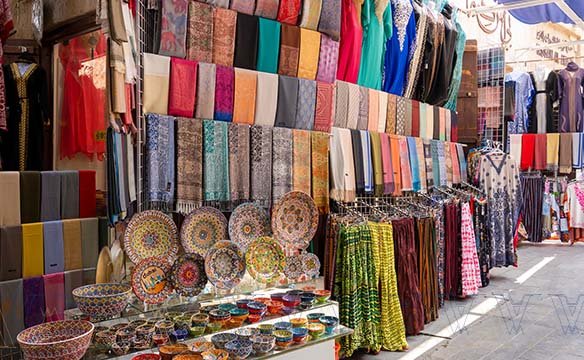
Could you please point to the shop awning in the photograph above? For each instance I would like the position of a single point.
(540, 11)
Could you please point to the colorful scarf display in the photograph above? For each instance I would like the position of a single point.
(206, 91)
(423, 120)
(216, 163)
(289, 50)
(462, 161)
(415, 118)
(287, 100)
(69, 194)
(174, 28)
(268, 45)
(400, 116)
(267, 8)
(309, 54)
(246, 41)
(182, 94)
(408, 117)
(283, 162)
(429, 162)
(10, 252)
(200, 32)
(442, 165)
(160, 157)
(245, 96)
(10, 193)
(436, 162)
(515, 147)
(310, 14)
(306, 104)
(239, 166)
(72, 280)
(320, 170)
(289, 11)
(224, 26)
(455, 164)
(224, 91)
(449, 164)
(156, 83)
(54, 248)
(325, 106)
(261, 165)
(266, 99)
(189, 165)
(301, 172)
(330, 19)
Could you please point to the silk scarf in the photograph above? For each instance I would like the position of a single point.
(382, 113)
(342, 104)
(328, 59)
(54, 296)
(289, 50)
(160, 157)
(239, 166)
(367, 161)
(552, 150)
(266, 99)
(182, 94)
(287, 102)
(156, 84)
(415, 118)
(325, 106)
(415, 164)
(206, 91)
(50, 196)
(267, 8)
(363, 121)
(388, 184)
(87, 193)
(224, 26)
(200, 32)
(301, 170)
(310, 14)
(216, 163)
(11, 252)
(540, 151)
(243, 6)
(372, 124)
(289, 11)
(189, 165)
(54, 247)
(378, 178)
(421, 162)
(320, 170)
(353, 107)
(406, 169)
(391, 113)
(358, 161)
(261, 165)
(527, 151)
(173, 33)
(245, 96)
(396, 162)
(306, 104)
(283, 162)
(330, 19)
(32, 250)
(268, 45)
(30, 196)
(309, 53)
(224, 93)
(246, 41)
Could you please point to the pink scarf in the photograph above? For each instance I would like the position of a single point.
(54, 296)
(406, 170)
(388, 183)
(183, 77)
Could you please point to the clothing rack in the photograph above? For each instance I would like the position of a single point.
(569, 58)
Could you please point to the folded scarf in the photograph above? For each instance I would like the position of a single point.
(421, 163)
(320, 170)
(239, 167)
(69, 194)
(261, 165)
(353, 106)
(310, 14)
(382, 113)
(429, 163)
(309, 53)
(156, 83)
(287, 101)
(224, 27)
(189, 165)
(50, 195)
(367, 161)
(246, 40)
(358, 161)
(266, 99)
(515, 141)
(552, 150)
(527, 151)
(422, 119)
(289, 11)
(283, 162)
(72, 280)
(388, 184)
(200, 32)
(160, 157)
(576, 151)
(455, 164)
(391, 113)
(336, 165)
(462, 162)
(87, 193)
(224, 93)
(306, 105)
(379, 186)
(54, 285)
(373, 110)
(216, 163)
(30, 196)
(54, 248)
(10, 252)
(267, 8)
(268, 45)
(301, 171)
(435, 162)
(414, 164)
(243, 6)
(406, 169)
(540, 151)
(206, 91)
(182, 93)
(342, 104)
(363, 120)
(442, 164)
(396, 163)
(289, 50)
(447, 122)
(72, 244)
(400, 116)
(449, 167)
(453, 126)
(330, 19)
(173, 32)
(325, 106)
(12, 306)
(408, 118)
(245, 96)
(436, 117)
(415, 118)
(328, 59)
(32, 250)
(429, 121)
(34, 301)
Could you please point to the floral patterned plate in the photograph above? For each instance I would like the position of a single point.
(311, 264)
(264, 259)
(247, 223)
(294, 268)
(150, 281)
(294, 221)
(201, 229)
(188, 275)
(225, 264)
(151, 233)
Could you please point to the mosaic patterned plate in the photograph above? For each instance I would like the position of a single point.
(294, 268)
(264, 259)
(151, 233)
(294, 221)
(247, 223)
(150, 281)
(201, 229)
(225, 264)
(311, 264)
(188, 275)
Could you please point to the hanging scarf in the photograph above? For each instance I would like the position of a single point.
(117, 78)
(287, 102)
(391, 113)
(449, 164)
(389, 186)
(89, 242)
(442, 117)
(306, 104)
(12, 306)
(34, 301)
(156, 83)
(200, 32)
(453, 126)
(406, 168)
(336, 160)
(216, 163)
(455, 164)
(224, 91)
(189, 165)
(320, 170)
(400, 116)
(436, 162)
(565, 153)
(72, 281)
(267, 8)
(367, 161)
(415, 118)
(515, 143)
(429, 163)
(289, 50)
(552, 150)
(462, 161)
(11, 252)
(268, 45)
(283, 162)
(353, 106)
(342, 104)
(470, 268)
(330, 18)
(363, 121)
(206, 91)
(54, 285)
(243, 6)
(266, 99)
(224, 26)
(422, 119)
(430, 121)
(408, 117)
(87, 193)
(239, 153)
(576, 152)
(310, 14)
(448, 124)
(372, 124)
(328, 59)
(72, 244)
(245, 96)
(382, 113)
(50, 196)
(246, 41)
(114, 208)
(350, 189)
(289, 11)
(32, 250)
(115, 14)
(160, 157)
(540, 151)
(358, 161)
(182, 94)
(54, 257)
(325, 106)
(396, 163)
(174, 28)
(414, 164)
(443, 166)
(421, 163)
(261, 165)
(69, 194)
(379, 188)
(30, 196)
(301, 161)
(309, 53)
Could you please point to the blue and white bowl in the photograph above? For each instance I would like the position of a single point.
(239, 349)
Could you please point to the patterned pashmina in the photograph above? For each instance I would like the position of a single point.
(396, 163)
(310, 14)
(245, 96)
(455, 164)
(156, 83)
(243, 6)
(353, 107)
(11, 252)
(32, 250)
(320, 170)
(239, 154)
(224, 91)
(367, 161)
(289, 11)
(306, 104)
(54, 285)
(552, 150)
(462, 162)
(216, 163)
(358, 161)
(415, 164)
(34, 301)
(200, 32)
(301, 170)
(309, 53)
(266, 99)
(435, 162)
(325, 106)
(69, 194)
(373, 110)
(328, 59)
(289, 50)
(261, 165)
(400, 116)
(30, 196)
(415, 118)
(429, 164)
(174, 28)
(408, 118)
(330, 19)
(283, 162)
(363, 108)
(183, 80)
(206, 91)
(406, 169)
(287, 101)
(382, 122)
(246, 42)
(50, 196)
(267, 8)
(189, 165)
(54, 257)
(160, 160)
(379, 188)
(565, 153)
(342, 105)
(470, 268)
(224, 25)
(442, 164)
(389, 186)
(268, 45)
(391, 113)
(421, 163)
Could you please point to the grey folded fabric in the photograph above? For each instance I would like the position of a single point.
(50, 196)
(12, 306)
(69, 194)
(10, 252)
(73, 280)
(89, 242)
(54, 258)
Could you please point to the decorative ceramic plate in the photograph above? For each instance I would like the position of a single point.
(294, 268)
(104, 269)
(201, 229)
(188, 275)
(151, 233)
(225, 264)
(311, 264)
(294, 221)
(247, 223)
(264, 259)
(150, 280)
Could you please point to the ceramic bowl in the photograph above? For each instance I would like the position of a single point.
(308, 288)
(277, 296)
(283, 325)
(283, 344)
(154, 320)
(274, 306)
(126, 334)
(66, 339)
(160, 339)
(254, 318)
(239, 314)
(294, 292)
(145, 331)
(183, 322)
(171, 315)
(214, 327)
(200, 319)
(233, 324)
(137, 323)
(226, 307)
(169, 351)
(219, 340)
(266, 329)
(246, 333)
(118, 326)
(263, 344)
(178, 335)
(262, 299)
(322, 296)
(199, 347)
(299, 335)
(105, 339)
(197, 331)
(291, 300)
(188, 357)
(121, 348)
(306, 305)
(147, 357)
(141, 344)
(256, 307)
(287, 310)
(219, 315)
(283, 335)
(102, 301)
(215, 354)
(242, 303)
(315, 330)
(239, 349)
(314, 317)
(306, 296)
(330, 323)
(299, 322)
(164, 326)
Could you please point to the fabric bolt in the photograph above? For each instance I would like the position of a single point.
(430, 163)
(32, 250)
(320, 170)
(577, 144)
(363, 120)
(160, 145)
(267, 8)
(306, 106)
(372, 123)
(342, 104)
(422, 163)
(415, 118)
(216, 163)
(349, 59)
(565, 166)
(400, 116)
(54, 287)
(30, 196)
(34, 301)
(455, 163)
(328, 59)
(540, 151)
(289, 11)
(388, 184)
(414, 163)
(12, 307)
(407, 177)
(391, 113)
(224, 28)
(87, 193)
(189, 165)
(301, 171)
(206, 91)
(156, 83)
(308, 54)
(330, 19)
(552, 151)
(325, 106)
(200, 32)
(470, 269)
(50, 195)
(353, 107)
(408, 117)
(261, 165)
(378, 180)
(282, 162)
(268, 45)
(289, 50)
(515, 143)
(287, 101)
(367, 161)
(358, 161)
(54, 248)
(244, 102)
(382, 113)
(183, 80)
(527, 151)
(224, 93)
(266, 99)
(72, 244)
(174, 28)
(246, 40)
(396, 163)
(239, 166)
(243, 6)
(10, 252)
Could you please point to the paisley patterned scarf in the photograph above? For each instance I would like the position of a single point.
(224, 91)
(306, 104)
(328, 59)
(289, 50)
(267, 8)
(174, 28)
(301, 169)
(261, 165)
(160, 144)
(224, 24)
(189, 165)
(216, 164)
(330, 18)
(320, 170)
(325, 106)
(239, 166)
(200, 32)
(283, 162)
(289, 11)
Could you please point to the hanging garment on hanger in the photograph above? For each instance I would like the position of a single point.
(349, 59)
(570, 84)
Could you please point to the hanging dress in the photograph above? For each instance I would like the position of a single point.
(571, 80)
(351, 41)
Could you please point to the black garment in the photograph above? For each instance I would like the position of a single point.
(246, 42)
(509, 112)
(27, 107)
(431, 48)
(532, 109)
(553, 106)
(358, 161)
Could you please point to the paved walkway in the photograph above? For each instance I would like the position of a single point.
(531, 312)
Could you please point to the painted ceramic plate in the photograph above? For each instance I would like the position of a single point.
(294, 221)
(201, 229)
(264, 259)
(294, 268)
(150, 280)
(225, 264)
(247, 223)
(188, 275)
(151, 233)
(311, 264)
